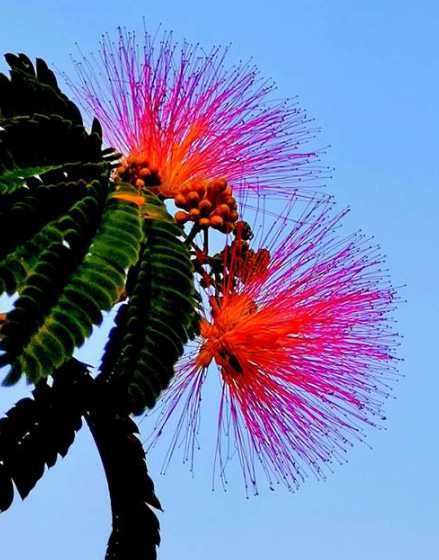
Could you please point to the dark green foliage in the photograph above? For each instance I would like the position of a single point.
(24, 212)
(76, 226)
(79, 274)
(156, 321)
(46, 155)
(32, 90)
(135, 534)
(65, 241)
(42, 141)
(68, 237)
(36, 430)
(52, 146)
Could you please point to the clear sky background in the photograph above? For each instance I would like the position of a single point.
(368, 72)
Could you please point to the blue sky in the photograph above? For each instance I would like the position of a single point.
(368, 72)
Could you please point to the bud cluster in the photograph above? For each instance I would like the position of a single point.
(208, 204)
(135, 169)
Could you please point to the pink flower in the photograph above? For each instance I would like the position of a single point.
(183, 117)
(301, 338)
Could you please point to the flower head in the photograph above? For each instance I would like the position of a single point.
(183, 119)
(299, 333)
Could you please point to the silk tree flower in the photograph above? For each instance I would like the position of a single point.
(299, 332)
(183, 119)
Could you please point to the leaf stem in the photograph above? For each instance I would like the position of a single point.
(206, 242)
(195, 229)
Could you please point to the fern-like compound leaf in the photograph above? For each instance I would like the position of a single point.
(37, 430)
(157, 319)
(77, 276)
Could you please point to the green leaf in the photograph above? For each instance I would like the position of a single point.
(158, 318)
(45, 152)
(67, 239)
(33, 89)
(74, 228)
(36, 430)
(85, 280)
(12, 179)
